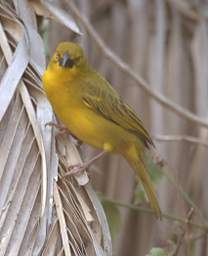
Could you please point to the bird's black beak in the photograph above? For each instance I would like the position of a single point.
(66, 61)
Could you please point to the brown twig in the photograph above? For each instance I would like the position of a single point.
(198, 236)
(164, 101)
(174, 138)
(150, 211)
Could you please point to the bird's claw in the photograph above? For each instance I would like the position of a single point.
(50, 124)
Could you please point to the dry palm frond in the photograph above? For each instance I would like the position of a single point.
(40, 212)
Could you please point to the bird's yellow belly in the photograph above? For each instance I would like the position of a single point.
(93, 129)
(85, 124)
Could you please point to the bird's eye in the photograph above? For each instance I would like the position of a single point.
(66, 61)
(57, 56)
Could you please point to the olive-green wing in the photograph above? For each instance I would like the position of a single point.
(104, 100)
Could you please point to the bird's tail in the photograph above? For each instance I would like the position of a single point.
(135, 160)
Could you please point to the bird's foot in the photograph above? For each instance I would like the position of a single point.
(61, 128)
(77, 168)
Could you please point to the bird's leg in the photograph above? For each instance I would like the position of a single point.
(73, 169)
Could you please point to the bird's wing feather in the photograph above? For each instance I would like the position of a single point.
(105, 101)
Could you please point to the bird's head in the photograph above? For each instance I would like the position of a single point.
(68, 56)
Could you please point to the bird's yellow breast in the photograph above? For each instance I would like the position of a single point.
(85, 124)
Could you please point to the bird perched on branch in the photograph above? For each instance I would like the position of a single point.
(94, 113)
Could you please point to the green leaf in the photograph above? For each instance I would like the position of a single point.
(155, 172)
(157, 252)
(113, 216)
(139, 195)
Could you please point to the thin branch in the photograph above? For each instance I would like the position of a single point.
(182, 236)
(150, 211)
(164, 101)
(181, 190)
(173, 138)
(168, 172)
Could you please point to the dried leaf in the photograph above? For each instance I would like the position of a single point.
(62, 222)
(49, 10)
(13, 75)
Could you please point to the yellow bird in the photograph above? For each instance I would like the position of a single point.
(94, 113)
